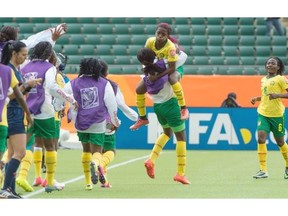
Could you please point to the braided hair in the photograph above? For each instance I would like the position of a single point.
(8, 33)
(8, 49)
(90, 67)
(42, 51)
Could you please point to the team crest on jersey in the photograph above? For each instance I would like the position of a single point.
(172, 52)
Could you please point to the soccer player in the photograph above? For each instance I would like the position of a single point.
(271, 116)
(164, 49)
(167, 111)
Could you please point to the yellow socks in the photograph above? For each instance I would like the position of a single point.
(86, 159)
(97, 158)
(158, 146)
(25, 164)
(107, 158)
(181, 157)
(284, 151)
(50, 160)
(178, 91)
(141, 104)
(37, 157)
(262, 156)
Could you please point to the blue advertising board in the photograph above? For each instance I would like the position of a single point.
(206, 129)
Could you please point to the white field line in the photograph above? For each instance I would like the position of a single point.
(82, 176)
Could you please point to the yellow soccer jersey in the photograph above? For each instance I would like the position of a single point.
(168, 52)
(60, 81)
(13, 83)
(275, 107)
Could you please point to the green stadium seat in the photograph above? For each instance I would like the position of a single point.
(150, 20)
(133, 20)
(215, 40)
(122, 29)
(118, 20)
(279, 51)
(189, 60)
(261, 60)
(232, 60)
(41, 26)
(198, 30)
(69, 20)
(246, 40)
(64, 39)
(198, 21)
(85, 20)
(222, 70)
(118, 49)
(235, 70)
(214, 30)
(71, 49)
(93, 39)
(262, 70)
(74, 28)
(231, 40)
(168, 20)
(247, 30)
(102, 20)
(22, 20)
(115, 69)
(262, 50)
(58, 48)
(230, 30)
(182, 21)
(246, 51)
(105, 29)
(199, 50)
(89, 28)
(247, 60)
(214, 50)
(74, 59)
(37, 20)
(183, 30)
(123, 59)
(217, 60)
(263, 40)
(57, 20)
(123, 39)
(190, 69)
(185, 40)
(108, 39)
(230, 21)
(87, 49)
(186, 49)
(77, 39)
(130, 69)
(103, 49)
(150, 29)
(200, 40)
(201, 60)
(137, 29)
(71, 69)
(279, 40)
(230, 50)
(26, 28)
(214, 21)
(133, 49)
(6, 19)
(249, 21)
(207, 70)
(260, 21)
(138, 39)
(250, 70)
(134, 60)
(109, 59)
(260, 30)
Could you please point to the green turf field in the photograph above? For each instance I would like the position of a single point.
(213, 174)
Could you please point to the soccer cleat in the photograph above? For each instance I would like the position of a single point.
(89, 187)
(57, 186)
(101, 175)
(184, 114)
(94, 174)
(139, 123)
(7, 194)
(286, 173)
(44, 183)
(261, 174)
(106, 185)
(37, 181)
(23, 183)
(181, 179)
(149, 168)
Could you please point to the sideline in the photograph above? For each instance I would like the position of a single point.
(82, 176)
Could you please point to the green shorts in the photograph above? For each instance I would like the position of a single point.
(3, 138)
(93, 138)
(273, 124)
(43, 128)
(180, 70)
(109, 143)
(168, 115)
(57, 129)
